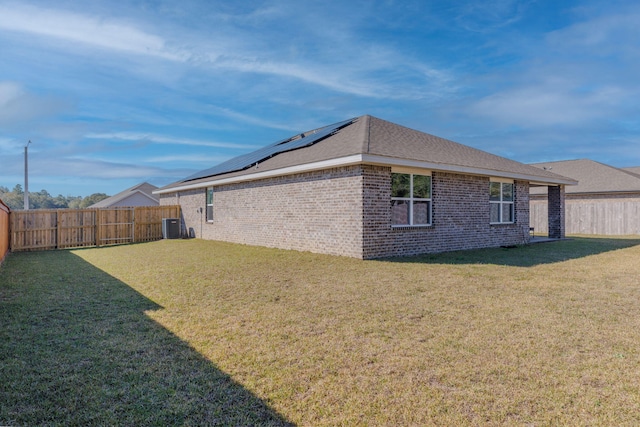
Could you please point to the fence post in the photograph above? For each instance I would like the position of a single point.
(96, 221)
(64, 228)
(133, 224)
(58, 230)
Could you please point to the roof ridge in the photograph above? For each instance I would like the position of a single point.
(627, 169)
(615, 168)
(367, 141)
(633, 174)
(563, 161)
(418, 134)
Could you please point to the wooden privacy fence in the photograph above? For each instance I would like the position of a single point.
(72, 228)
(4, 229)
(611, 216)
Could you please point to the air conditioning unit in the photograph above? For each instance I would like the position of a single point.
(170, 228)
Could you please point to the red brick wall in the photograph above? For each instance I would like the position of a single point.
(347, 211)
(317, 211)
(460, 218)
(556, 212)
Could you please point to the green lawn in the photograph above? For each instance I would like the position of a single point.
(192, 332)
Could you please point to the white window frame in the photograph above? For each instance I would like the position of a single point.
(411, 199)
(208, 208)
(502, 203)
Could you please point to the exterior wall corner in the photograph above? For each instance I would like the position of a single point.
(556, 211)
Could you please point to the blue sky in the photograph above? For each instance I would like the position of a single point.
(113, 93)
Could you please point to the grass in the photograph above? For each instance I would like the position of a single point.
(207, 333)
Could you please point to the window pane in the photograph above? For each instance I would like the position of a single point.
(495, 212)
(421, 213)
(209, 212)
(209, 196)
(400, 212)
(507, 192)
(400, 185)
(494, 191)
(422, 186)
(507, 212)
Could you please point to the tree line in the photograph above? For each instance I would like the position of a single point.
(43, 200)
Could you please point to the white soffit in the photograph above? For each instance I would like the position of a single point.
(366, 159)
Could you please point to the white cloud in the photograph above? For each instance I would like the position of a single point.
(548, 105)
(195, 158)
(601, 35)
(358, 70)
(246, 118)
(9, 144)
(18, 106)
(83, 29)
(316, 74)
(582, 75)
(97, 169)
(8, 93)
(489, 15)
(161, 139)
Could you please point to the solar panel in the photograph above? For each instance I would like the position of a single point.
(245, 161)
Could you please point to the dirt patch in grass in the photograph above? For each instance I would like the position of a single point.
(539, 335)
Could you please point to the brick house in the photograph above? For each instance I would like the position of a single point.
(606, 200)
(366, 188)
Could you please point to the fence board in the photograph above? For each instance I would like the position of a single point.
(72, 228)
(5, 213)
(34, 229)
(148, 222)
(76, 228)
(605, 216)
(116, 226)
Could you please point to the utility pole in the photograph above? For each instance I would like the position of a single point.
(26, 176)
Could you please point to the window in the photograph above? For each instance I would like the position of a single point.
(410, 199)
(501, 202)
(210, 204)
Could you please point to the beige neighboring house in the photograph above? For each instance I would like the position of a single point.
(138, 195)
(606, 200)
(365, 188)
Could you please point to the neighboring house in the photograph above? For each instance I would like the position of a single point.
(365, 188)
(634, 170)
(606, 200)
(138, 195)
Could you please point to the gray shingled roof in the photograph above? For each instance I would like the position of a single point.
(592, 177)
(383, 142)
(634, 170)
(144, 188)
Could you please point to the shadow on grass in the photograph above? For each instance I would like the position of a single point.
(527, 255)
(77, 349)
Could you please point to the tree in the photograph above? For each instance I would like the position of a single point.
(14, 199)
(90, 200)
(74, 202)
(61, 202)
(43, 200)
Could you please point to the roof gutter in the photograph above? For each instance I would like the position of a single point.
(387, 161)
(367, 159)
